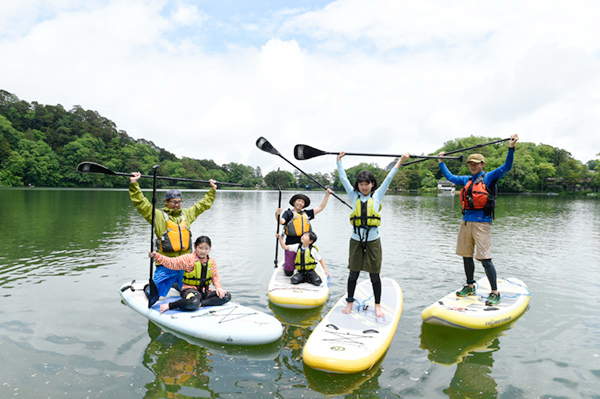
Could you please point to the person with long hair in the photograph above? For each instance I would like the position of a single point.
(365, 246)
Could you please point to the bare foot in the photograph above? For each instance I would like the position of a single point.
(164, 307)
(348, 308)
(378, 311)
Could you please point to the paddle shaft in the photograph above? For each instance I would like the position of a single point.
(181, 179)
(314, 180)
(151, 283)
(264, 145)
(459, 150)
(278, 224)
(391, 155)
(152, 223)
(97, 168)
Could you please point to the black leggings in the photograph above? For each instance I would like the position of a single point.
(490, 271)
(192, 299)
(375, 281)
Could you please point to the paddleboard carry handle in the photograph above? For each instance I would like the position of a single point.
(128, 287)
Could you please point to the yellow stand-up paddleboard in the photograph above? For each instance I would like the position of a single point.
(350, 343)
(297, 296)
(471, 312)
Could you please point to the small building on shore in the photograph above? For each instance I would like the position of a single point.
(446, 187)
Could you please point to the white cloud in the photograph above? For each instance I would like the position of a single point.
(379, 76)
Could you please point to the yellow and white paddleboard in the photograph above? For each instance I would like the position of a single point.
(350, 343)
(297, 296)
(471, 312)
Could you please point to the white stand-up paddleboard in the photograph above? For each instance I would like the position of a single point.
(297, 296)
(471, 312)
(350, 343)
(230, 323)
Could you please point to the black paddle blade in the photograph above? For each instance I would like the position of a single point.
(153, 294)
(92, 167)
(303, 151)
(264, 145)
(460, 158)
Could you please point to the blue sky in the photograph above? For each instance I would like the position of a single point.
(240, 23)
(205, 79)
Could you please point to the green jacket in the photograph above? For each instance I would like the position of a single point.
(144, 206)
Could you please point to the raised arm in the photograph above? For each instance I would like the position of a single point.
(323, 203)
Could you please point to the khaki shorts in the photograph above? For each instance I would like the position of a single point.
(474, 235)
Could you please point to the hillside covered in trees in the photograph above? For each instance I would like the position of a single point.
(41, 145)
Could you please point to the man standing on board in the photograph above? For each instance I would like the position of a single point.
(478, 199)
(171, 226)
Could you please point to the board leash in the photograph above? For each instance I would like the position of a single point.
(522, 286)
(363, 304)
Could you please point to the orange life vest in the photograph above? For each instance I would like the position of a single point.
(298, 225)
(476, 195)
(177, 238)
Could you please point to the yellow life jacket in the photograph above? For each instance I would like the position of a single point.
(201, 277)
(364, 214)
(298, 225)
(177, 238)
(304, 259)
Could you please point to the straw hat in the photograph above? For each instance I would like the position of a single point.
(476, 158)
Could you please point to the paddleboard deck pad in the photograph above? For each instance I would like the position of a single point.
(471, 312)
(351, 343)
(230, 323)
(297, 296)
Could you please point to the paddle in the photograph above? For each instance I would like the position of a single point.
(391, 165)
(153, 294)
(278, 224)
(92, 167)
(303, 151)
(264, 145)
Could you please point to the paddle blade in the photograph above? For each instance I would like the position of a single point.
(303, 151)
(152, 294)
(391, 165)
(460, 158)
(264, 145)
(92, 167)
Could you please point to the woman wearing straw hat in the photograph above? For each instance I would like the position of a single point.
(297, 221)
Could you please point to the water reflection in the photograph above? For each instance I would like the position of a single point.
(364, 384)
(472, 378)
(471, 351)
(179, 367)
(185, 367)
(298, 317)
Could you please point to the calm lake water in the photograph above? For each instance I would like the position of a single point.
(64, 332)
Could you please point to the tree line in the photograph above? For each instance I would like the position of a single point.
(41, 145)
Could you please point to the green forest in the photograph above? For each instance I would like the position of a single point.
(41, 146)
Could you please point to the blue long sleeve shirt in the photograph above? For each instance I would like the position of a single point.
(476, 215)
(354, 195)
